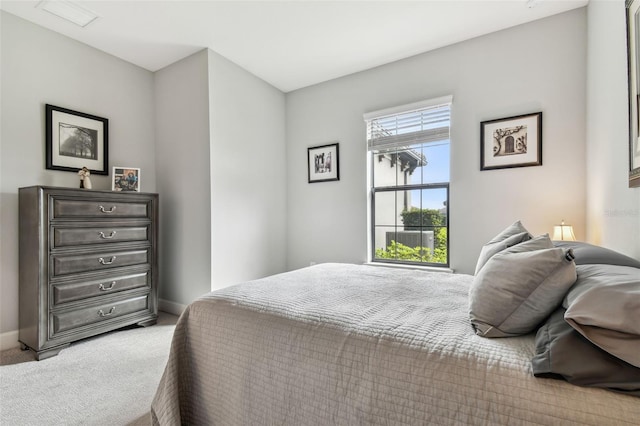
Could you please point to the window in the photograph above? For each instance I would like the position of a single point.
(408, 149)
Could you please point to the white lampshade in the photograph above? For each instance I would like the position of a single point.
(563, 232)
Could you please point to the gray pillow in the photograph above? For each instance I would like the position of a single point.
(511, 236)
(587, 254)
(604, 306)
(519, 287)
(563, 353)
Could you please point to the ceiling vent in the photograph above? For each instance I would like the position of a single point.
(70, 11)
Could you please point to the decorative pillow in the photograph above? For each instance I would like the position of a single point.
(511, 236)
(604, 306)
(587, 254)
(519, 287)
(563, 353)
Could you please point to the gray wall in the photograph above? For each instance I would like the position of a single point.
(39, 67)
(220, 156)
(182, 159)
(539, 66)
(248, 175)
(613, 209)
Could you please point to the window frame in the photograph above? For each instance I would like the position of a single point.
(398, 188)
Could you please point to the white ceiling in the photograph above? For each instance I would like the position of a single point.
(290, 44)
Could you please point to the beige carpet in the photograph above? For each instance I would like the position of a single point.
(105, 380)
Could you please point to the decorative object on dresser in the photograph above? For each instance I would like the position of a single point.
(125, 179)
(85, 180)
(88, 264)
(75, 140)
(511, 142)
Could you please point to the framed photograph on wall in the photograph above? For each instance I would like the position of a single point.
(633, 64)
(511, 142)
(125, 179)
(323, 163)
(75, 140)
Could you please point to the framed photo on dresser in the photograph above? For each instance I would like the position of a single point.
(125, 179)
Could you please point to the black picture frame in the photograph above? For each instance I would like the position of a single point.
(507, 142)
(323, 163)
(75, 140)
(632, 14)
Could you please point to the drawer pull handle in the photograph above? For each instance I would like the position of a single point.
(111, 311)
(107, 237)
(103, 288)
(107, 262)
(103, 210)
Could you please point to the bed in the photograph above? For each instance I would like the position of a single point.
(351, 344)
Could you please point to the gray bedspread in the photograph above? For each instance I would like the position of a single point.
(339, 344)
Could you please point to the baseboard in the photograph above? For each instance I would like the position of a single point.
(171, 307)
(9, 340)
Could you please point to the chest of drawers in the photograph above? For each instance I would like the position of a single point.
(88, 264)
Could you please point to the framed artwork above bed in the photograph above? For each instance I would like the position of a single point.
(633, 54)
(511, 142)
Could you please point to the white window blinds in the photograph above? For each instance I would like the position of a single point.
(421, 122)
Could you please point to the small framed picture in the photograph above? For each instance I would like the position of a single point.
(75, 140)
(125, 179)
(323, 163)
(511, 142)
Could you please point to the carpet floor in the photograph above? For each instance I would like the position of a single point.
(104, 380)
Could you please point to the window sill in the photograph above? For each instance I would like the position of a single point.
(417, 267)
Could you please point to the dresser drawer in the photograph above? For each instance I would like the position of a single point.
(64, 236)
(69, 292)
(73, 319)
(71, 264)
(99, 208)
